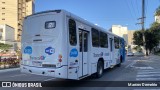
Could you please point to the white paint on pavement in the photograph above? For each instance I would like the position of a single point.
(146, 89)
(49, 79)
(152, 75)
(148, 72)
(147, 79)
(148, 75)
(144, 68)
(131, 64)
(18, 75)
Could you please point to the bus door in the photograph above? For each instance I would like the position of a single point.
(83, 52)
(111, 50)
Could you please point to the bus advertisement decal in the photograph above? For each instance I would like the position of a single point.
(74, 53)
(28, 50)
(50, 50)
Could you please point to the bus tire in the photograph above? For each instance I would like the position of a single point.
(99, 69)
(119, 65)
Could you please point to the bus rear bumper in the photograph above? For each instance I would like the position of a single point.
(57, 72)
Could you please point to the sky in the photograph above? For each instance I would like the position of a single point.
(105, 13)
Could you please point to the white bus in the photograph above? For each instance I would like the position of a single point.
(59, 44)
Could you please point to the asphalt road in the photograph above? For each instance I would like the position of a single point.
(133, 69)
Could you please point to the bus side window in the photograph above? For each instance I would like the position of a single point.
(116, 43)
(95, 38)
(72, 32)
(103, 40)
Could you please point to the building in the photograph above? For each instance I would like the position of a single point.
(7, 36)
(126, 34)
(120, 31)
(157, 19)
(12, 13)
(130, 37)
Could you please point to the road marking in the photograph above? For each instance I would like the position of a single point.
(146, 89)
(148, 72)
(144, 67)
(131, 64)
(148, 75)
(147, 79)
(18, 75)
(49, 79)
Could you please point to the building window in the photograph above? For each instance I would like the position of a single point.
(72, 32)
(3, 19)
(3, 8)
(3, 13)
(95, 38)
(1, 30)
(3, 2)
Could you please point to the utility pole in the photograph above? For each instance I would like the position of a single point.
(142, 24)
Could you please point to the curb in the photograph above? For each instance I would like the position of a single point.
(8, 70)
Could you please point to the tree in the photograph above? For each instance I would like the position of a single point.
(152, 38)
(4, 47)
(138, 48)
(152, 35)
(157, 11)
(137, 38)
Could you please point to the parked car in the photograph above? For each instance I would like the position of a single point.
(130, 54)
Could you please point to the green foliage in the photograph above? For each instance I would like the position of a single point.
(157, 11)
(138, 48)
(2, 63)
(5, 47)
(137, 38)
(152, 37)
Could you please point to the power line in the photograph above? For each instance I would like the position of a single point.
(137, 8)
(130, 10)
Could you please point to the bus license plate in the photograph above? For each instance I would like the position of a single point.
(36, 63)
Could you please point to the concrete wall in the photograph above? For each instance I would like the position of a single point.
(14, 12)
(7, 34)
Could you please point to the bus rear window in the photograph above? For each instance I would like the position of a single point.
(72, 32)
(50, 24)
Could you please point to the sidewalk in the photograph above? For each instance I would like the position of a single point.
(148, 62)
(9, 69)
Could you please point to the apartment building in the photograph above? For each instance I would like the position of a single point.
(12, 13)
(120, 31)
(6, 34)
(130, 37)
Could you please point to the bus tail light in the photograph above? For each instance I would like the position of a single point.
(60, 58)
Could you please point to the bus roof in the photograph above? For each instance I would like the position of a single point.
(76, 18)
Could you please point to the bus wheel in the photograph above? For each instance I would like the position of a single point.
(99, 69)
(119, 65)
